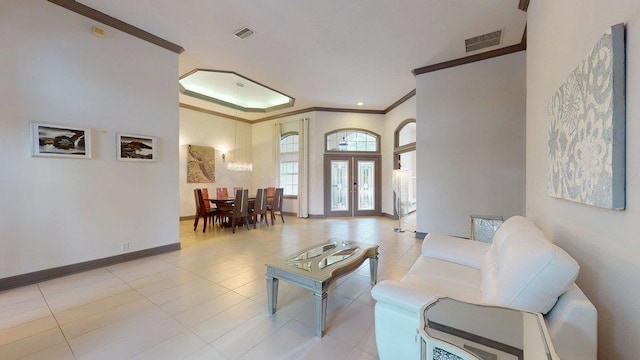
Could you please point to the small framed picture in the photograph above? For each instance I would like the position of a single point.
(136, 147)
(49, 140)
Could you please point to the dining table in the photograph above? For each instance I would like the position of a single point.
(231, 200)
(222, 201)
(227, 203)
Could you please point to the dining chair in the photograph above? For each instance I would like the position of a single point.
(276, 206)
(271, 192)
(216, 211)
(201, 210)
(235, 189)
(225, 209)
(240, 212)
(222, 193)
(260, 208)
(205, 197)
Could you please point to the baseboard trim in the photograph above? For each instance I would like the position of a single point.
(48, 274)
(311, 216)
(389, 216)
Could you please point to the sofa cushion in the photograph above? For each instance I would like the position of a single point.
(436, 270)
(456, 250)
(524, 270)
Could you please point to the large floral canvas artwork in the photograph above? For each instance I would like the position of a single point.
(587, 128)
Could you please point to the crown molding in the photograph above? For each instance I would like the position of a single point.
(400, 101)
(101, 17)
(318, 108)
(471, 59)
(216, 113)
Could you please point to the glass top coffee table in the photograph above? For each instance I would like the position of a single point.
(316, 267)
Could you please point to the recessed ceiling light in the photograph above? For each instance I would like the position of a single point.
(360, 103)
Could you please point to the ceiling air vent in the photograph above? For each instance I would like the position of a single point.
(244, 33)
(483, 41)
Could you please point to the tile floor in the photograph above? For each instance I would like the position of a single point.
(206, 301)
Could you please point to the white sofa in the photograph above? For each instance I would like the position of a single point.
(520, 269)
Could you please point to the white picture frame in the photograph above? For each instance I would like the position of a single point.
(138, 148)
(63, 141)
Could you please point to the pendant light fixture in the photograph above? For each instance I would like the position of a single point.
(238, 165)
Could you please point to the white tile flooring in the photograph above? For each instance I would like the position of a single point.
(206, 301)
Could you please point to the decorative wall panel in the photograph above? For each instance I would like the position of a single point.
(201, 164)
(587, 128)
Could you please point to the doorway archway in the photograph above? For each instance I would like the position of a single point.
(404, 157)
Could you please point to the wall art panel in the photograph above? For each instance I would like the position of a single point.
(587, 128)
(201, 164)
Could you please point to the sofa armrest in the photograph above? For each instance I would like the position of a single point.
(461, 251)
(573, 326)
(399, 294)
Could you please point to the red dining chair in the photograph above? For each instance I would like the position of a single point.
(201, 210)
(225, 209)
(222, 193)
(205, 197)
(214, 211)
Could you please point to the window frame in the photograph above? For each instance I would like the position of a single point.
(297, 161)
(365, 131)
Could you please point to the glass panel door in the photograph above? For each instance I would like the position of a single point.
(340, 186)
(352, 185)
(366, 185)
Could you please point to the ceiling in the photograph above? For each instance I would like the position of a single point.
(330, 53)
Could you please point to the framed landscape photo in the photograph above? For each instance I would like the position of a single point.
(49, 140)
(136, 148)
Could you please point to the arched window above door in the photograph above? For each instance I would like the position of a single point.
(405, 134)
(352, 140)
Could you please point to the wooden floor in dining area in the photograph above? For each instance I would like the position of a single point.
(206, 301)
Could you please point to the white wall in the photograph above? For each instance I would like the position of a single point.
(57, 211)
(470, 143)
(225, 136)
(605, 243)
(406, 110)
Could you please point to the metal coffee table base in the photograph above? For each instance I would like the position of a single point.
(319, 287)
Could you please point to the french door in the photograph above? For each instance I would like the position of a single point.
(352, 185)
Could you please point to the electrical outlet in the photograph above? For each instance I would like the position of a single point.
(124, 246)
